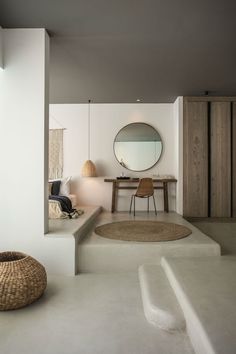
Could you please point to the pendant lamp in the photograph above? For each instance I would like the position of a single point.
(89, 168)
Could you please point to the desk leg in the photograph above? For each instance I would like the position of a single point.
(113, 200)
(166, 201)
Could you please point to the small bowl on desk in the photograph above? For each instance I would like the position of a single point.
(122, 177)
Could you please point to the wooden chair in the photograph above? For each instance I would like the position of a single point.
(145, 190)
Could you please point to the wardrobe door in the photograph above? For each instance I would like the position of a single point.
(220, 159)
(234, 159)
(195, 164)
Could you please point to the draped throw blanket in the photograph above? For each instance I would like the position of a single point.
(55, 153)
(60, 206)
(66, 209)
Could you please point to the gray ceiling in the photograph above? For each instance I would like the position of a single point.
(120, 50)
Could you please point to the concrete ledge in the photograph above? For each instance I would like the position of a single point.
(60, 246)
(101, 255)
(161, 307)
(73, 227)
(206, 290)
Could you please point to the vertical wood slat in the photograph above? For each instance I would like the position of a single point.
(195, 156)
(234, 159)
(220, 159)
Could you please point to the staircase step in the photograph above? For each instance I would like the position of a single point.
(206, 290)
(160, 304)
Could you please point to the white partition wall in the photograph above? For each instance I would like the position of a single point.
(22, 114)
(24, 150)
(1, 48)
(23, 146)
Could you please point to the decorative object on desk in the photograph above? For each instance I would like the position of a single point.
(163, 176)
(123, 177)
(89, 168)
(138, 146)
(167, 176)
(22, 278)
(143, 231)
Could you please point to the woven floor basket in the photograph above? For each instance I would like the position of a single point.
(22, 280)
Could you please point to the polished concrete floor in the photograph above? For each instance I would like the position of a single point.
(92, 314)
(87, 314)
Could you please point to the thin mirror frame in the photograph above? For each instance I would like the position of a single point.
(146, 169)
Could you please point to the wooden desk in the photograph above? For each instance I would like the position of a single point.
(123, 184)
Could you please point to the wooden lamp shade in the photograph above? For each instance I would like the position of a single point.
(89, 169)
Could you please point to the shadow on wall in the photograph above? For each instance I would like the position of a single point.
(91, 191)
(74, 185)
(101, 168)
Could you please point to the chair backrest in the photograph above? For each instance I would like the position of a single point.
(145, 188)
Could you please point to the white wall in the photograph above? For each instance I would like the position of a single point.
(1, 47)
(22, 91)
(178, 118)
(106, 121)
(23, 146)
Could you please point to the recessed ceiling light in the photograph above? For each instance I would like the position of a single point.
(138, 100)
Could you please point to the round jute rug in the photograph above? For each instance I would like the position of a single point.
(143, 231)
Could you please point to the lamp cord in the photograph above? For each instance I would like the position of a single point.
(89, 101)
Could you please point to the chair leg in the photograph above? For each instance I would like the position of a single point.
(131, 202)
(154, 205)
(134, 205)
(148, 204)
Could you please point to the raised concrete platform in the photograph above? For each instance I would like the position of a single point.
(61, 251)
(74, 227)
(98, 255)
(160, 304)
(206, 291)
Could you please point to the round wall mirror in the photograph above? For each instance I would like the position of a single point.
(138, 146)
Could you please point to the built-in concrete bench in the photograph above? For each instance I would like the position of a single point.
(63, 238)
(74, 227)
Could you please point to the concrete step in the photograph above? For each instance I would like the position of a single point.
(102, 255)
(160, 304)
(206, 291)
